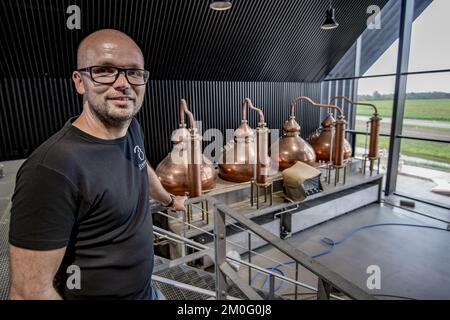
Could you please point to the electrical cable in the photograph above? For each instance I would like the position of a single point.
(333, 243)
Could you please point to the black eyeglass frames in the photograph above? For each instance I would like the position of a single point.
(109, 74)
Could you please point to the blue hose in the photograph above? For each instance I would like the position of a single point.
(333, 243)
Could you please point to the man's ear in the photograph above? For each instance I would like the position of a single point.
(79, 84)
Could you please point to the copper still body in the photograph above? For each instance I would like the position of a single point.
(291, 147)
(237, 162)
(321, 140)
(322, 143)
(185, 169)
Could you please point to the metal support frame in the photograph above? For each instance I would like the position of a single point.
(190, 213)
(268, 187)
(223, 270)
(406, 20)
(185, 286)
(183, 260)
(249, 258)
(271, 287)
(371, 164)
(323, 290)
(220, 253)
(330, 168)
(296, 279)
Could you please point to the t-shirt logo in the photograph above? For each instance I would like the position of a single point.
(139, 152)
(141, 155)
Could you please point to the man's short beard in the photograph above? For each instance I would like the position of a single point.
(101, 113)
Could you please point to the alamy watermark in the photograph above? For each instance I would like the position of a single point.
(74, 279)
(374, 20)
(374, 280)
(74, 20)
(228, 149)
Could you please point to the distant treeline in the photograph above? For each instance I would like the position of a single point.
(411, 95)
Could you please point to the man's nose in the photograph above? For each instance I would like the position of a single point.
(121, 82)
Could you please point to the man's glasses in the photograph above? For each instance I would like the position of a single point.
(109, 75)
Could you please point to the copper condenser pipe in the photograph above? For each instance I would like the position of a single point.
(263, 160)
(194, 155)
(262, 146)
(374, 125)
(338, 145)
(374, 136)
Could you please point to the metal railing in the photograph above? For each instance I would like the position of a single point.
(327, 279)
(203, 251)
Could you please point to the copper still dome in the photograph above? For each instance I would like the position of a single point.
(291, 147)
(185, 169)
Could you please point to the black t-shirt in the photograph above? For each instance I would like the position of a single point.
(90, 195)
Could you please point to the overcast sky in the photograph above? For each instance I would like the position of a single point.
(430, 50)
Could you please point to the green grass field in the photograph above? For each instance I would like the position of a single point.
(438, 109)
(421, 149)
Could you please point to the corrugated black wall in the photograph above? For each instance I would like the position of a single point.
(34, 109)
(269, 40)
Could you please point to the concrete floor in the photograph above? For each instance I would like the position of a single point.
(414, 262)
(420, 188)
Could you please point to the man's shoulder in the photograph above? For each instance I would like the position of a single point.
(56, 153)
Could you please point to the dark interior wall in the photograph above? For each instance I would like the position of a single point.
(268, 40)
(34, 109)
(270, 51)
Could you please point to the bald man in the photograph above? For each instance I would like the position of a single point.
(80, 222)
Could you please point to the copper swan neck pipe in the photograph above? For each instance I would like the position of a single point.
(184, 109)
(355, 103)
(248, 104)
(315, 104)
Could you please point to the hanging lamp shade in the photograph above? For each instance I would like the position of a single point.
(330, 21)
(220, 5)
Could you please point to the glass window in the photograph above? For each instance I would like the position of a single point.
(379, 46)
(424, 170)
(380, 92)
(429, 38)
(427, 107)
(386, 63)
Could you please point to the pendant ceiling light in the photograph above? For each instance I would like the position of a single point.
(330, 22)
(220, 5)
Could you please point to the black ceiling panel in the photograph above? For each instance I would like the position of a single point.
(265, 40)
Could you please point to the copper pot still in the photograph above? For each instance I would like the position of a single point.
(241, 155)
(321, 140)
(327, 143)
(185, 169)
(291, 147)
(374, 125)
